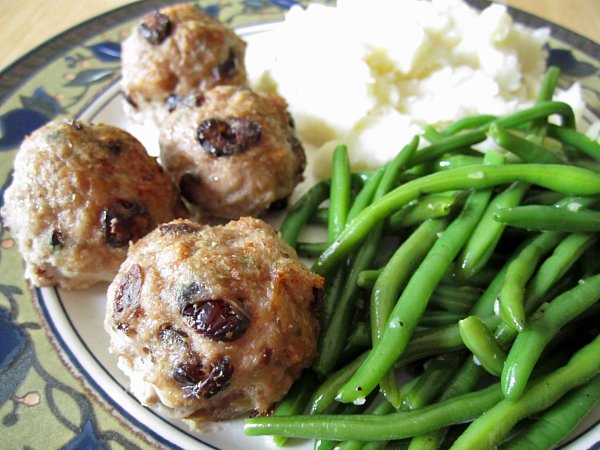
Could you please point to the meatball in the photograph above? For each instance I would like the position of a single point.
(80, 193)
(176, 51)
(211, 322)
(232, 152)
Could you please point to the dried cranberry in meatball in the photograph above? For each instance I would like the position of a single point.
(80, 193)
(173, 52)
(212, 322)
(233, 152)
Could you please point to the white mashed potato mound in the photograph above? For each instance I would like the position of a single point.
(371, 76)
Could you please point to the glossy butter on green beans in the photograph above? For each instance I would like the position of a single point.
(398, 425)
(560, 178)
(544, 325)
(411, 305)
(485, 432)
(538, 217)
(559, 421)
(489, 429)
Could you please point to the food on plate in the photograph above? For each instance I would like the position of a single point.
(175, 51)
(213, 322)
(494, 304)
(232, 152)
(380, 73)
(80, 193)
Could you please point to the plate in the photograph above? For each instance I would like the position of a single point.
(60, 386)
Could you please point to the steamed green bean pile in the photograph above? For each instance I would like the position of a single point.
(462, 299)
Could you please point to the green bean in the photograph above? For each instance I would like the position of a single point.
(448, 144)
(382, 409)
(321, 216)
(453, 161)
(338, 306)
(464, 380)
(436, 375)
(450, 304)
(433, 319)
(468, 122)
(590, 263)
(359, 339)
(559, 421)
(489, 429)
(342, 409)
(359, 179)
(389, 283)
(562, 178)
(538, 217)
(429, 207)
(578, 160)
(367, 221)
(310, 249)
(295, 400)
(395, 167)
(435, 341)
(480, 279)
(542, 327)
(332, 291)
(511, 305)
(360, 182)
(388, 381)
(413, 301)
(526, 150)
(302, 210)
(334, 333)
(414, 172)
(540, 110)
(581, 142)
(455, 299)
(573, 202)
(387, 249)
(484, 307)
(325, 394)
(482, 243)
(397, 425)
(339, 193)
(549, 272)
(367, 278)
(505, 335)
(478, 338)
(431, 134)
(548, 85)
(543, 197)
(520, 270)
(565, 255)
(392, 277)
(324, 444)
(365, 195)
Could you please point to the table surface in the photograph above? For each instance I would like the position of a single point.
(43, 19)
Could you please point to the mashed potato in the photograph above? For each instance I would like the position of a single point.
(372, 75)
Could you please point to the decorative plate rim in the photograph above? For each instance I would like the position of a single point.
(19, 72)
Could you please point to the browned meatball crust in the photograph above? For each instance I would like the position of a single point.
(232, 152)
(213, 322)
(80, 193)
(176, 51)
